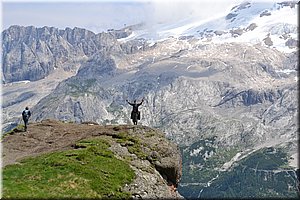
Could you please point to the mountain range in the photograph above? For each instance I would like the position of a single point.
(224, 89)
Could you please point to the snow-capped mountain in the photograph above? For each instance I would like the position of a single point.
(270, 23)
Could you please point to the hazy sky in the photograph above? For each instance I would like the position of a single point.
(100, 15)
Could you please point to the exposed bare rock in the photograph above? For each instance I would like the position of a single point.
(236, 32)
(144, 146)
(265, 13)
(219, 32)
(292, 43)
(268, 41)
(291, 4)
(230, 16)
(251, 27)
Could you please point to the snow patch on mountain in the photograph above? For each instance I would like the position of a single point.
(268, 23)
(273, 26)
(286, 71)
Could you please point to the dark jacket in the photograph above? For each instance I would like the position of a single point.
(26, 114)
(135, 106)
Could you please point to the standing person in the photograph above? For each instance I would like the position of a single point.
(25, 115)
(135, 113)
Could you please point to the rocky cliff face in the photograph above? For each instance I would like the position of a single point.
(155, 160)
(31, 53)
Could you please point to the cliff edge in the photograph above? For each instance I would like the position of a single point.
(155, 161)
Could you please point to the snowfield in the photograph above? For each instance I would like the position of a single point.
(247, 23)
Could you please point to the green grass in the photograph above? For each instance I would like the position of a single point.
(19, 128)
(133, 144)
(150, 134)
(252, 178)
(205, 169)
(78, 88)
(91, 171)
(266, 159)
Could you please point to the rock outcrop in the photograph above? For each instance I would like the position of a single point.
(155, 160)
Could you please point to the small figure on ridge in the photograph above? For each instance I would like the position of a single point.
(26, 115)
(135, 113)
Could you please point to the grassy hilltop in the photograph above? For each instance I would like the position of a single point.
(66, 160)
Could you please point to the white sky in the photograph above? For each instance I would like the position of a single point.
(101, 15)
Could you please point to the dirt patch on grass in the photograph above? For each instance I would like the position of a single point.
(50, 135)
